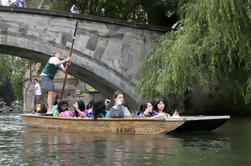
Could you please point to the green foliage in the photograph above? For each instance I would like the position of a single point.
(16, 83)
(211, 49)
(140, 11)
(13, 68)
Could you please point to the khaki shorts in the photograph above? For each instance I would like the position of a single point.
(37, 99)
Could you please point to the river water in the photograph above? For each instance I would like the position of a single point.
(20, 145)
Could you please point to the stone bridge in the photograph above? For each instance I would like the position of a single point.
(107, 54)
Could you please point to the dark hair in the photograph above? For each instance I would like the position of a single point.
(143, 107)
(98, 108)
(60, 104)
(90, 104)
(35, 80)
(43, 109)
(156, 102)
(81, 106)
(118, 92)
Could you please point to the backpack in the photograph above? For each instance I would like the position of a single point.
(115, 113)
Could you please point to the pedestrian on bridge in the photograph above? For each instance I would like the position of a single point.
(20, 3)
(48, 74)
(75, 9)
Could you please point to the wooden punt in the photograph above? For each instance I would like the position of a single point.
(126, 125)
(112, 125)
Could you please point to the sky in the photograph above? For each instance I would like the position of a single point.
(4, 2)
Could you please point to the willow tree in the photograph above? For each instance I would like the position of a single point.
(12, 70)
(211, 49)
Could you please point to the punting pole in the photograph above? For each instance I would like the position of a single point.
(68, 64)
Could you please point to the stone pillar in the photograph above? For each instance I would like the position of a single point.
(28, 101)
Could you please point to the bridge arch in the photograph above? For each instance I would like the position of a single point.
(107, 53)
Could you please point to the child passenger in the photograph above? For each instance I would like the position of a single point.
(41, 109)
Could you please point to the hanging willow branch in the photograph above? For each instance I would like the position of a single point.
(211, 49)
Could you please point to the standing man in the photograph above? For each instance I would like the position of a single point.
(38, 92)
(48, 74)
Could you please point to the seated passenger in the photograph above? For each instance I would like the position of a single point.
(37, 108)
(63, 109)
(176, 114)
(41, 109)
(79, 109)
(146, 110)
(89, 112)
(98, 109)
(159, 108)
(107, 102)
(118, 110)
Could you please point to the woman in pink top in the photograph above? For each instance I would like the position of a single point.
(63, 110)
(79, 109)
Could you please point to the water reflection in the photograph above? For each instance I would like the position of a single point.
(20, 145)
(205, 141)
(90, 148)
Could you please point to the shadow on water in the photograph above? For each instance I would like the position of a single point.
(21, 145)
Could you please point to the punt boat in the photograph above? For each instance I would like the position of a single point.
(127, 125)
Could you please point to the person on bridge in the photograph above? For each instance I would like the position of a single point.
(75, 9)
(20, 3)
(102, 12)
(48, 74)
